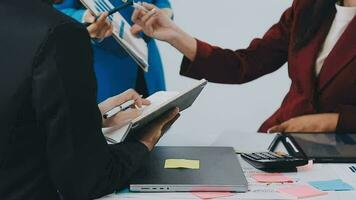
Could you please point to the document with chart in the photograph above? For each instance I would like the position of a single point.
(134, 46)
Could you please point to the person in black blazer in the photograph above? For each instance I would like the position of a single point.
(51, 144)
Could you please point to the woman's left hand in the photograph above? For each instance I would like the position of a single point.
(315, 123)
(124, 116)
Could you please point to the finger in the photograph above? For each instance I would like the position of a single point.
(102, 17)
(109, 32)
(148, 15)
(146, 102)
(136, 29)
(137, 14)
(129, 94)
(133, 95)
(138, 17)
(167, 117)
(148, 6)
(103, 23)
(104, 29)
(92, 30)
(169, 124)
(149, 24)
(127, 115)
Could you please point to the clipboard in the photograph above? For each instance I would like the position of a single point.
(134, 46)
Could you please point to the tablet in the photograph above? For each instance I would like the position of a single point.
(323, 147)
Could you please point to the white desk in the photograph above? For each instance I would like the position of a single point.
(246, 142)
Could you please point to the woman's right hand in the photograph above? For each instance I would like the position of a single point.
(99, 28)
(156, 24)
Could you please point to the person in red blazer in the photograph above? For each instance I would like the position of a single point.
(318, 100)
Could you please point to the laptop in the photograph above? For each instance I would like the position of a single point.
(219, 170)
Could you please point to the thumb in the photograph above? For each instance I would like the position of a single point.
(167, 117)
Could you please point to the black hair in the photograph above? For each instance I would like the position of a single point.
(311, 20)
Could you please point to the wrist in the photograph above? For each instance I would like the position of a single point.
(334, 121)
(185, 43)
(147, 144)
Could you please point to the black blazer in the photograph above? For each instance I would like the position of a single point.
(51, 144)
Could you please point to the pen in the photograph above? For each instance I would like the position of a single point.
(139, 6)
(123, 6)
(114, 10)
(118, 109)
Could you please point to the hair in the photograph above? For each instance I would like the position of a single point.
(311, 20)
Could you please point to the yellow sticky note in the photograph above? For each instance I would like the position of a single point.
(181, 163)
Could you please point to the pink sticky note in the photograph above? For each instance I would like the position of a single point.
(212, 195)
(272, 178)
(302, 191)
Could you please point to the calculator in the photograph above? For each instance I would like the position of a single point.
(274, 162)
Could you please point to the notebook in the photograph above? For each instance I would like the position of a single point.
(161, 102)
(134, 46)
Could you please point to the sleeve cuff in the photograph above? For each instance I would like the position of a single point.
(190, 68)
(347, 119)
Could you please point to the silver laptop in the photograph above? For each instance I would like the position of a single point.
(219, 170)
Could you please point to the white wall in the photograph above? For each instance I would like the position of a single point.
(229, 24)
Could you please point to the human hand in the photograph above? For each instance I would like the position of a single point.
(99, 28)
(124, 116)
(156, 23)
(316, 123)
(137, 29)
(151, 134)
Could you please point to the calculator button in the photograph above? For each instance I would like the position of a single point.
(275, 155)
(254, 156)
(263, 156)
(269, 156)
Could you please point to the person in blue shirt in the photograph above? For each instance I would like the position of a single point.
(115, 70)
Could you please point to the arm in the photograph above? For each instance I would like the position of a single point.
(219, 65)
(81, 164)
(202, 60)
(341, 121)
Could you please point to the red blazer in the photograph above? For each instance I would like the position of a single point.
(333, 91)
